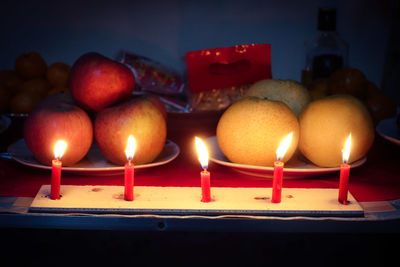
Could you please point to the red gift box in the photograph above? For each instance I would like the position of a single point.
(228, 66)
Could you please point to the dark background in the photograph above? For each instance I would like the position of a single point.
(164, 30)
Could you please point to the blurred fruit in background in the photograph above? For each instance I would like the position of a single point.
(379, 105)
(57, 74)
(10, 80)
(30, 65)
(319, 89)
(24, 102)
(38, 86)
(348, 81)
(352, 81)
(31, 80)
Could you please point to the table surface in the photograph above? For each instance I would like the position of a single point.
(375, 185)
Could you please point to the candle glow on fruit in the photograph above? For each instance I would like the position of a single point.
(344, 172)
(202, 153)
(129, 168)
(56, 164)
(278, 168)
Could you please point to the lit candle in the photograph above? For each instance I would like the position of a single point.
(204, 175)
(129, 168)
(278, 169)
(56, 164)
(345, 172)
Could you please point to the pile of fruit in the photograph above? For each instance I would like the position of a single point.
(30, 81)
(100, 107)
(353, 82)
(251, 129)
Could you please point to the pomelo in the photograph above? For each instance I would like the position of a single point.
(325, 125)
(251, 130)
(292, 93)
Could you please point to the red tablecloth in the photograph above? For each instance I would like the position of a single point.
(378, 179)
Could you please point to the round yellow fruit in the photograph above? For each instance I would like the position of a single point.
(251, 130)
(325, 125)
(292, 93)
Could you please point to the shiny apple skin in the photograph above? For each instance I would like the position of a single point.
(49, 123)
(97, 82)
(138, 117)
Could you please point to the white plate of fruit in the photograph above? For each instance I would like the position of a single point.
(94, 163)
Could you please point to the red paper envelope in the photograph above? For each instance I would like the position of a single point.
(228, 66)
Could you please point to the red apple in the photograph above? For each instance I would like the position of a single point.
(47, 124)
(97, 82)
(138, 117)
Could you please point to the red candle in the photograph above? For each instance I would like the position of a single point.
(129, 176)
(277, 182)
(56, 165)
(129, 169)
(204, 175)
(55, 179)
(344, 173)
(205, 186)
(278, 169)
(344, 183)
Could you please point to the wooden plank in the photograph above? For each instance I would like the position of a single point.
(186, 200)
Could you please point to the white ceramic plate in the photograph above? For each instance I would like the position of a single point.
(93, 163)
(296, 167)
(388, 129)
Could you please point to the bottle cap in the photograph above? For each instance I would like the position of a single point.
(327, 19)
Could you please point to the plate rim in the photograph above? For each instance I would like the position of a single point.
(386, 134)
(319, 170)
(71, 169)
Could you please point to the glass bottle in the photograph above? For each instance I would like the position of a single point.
(326, 52)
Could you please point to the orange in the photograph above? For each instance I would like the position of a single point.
(39, 86)
(325, 125)
(30, 65)
(10, 80)
(251, 130)
(24, 102)
(379, 105)
(348, 81)
(58, 73)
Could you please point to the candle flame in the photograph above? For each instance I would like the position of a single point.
(59, 149)
(130, 148)
(346, 150)
(283, 147)
(202, 152)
